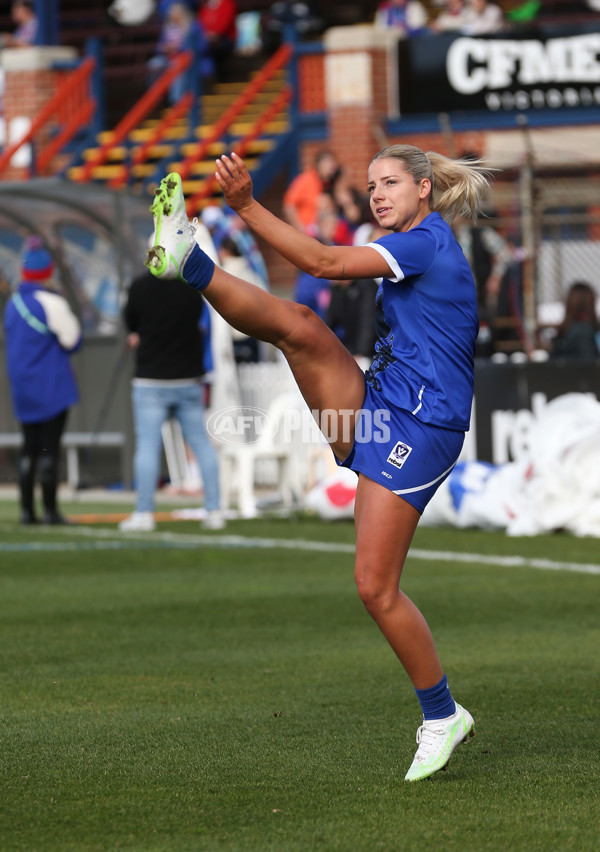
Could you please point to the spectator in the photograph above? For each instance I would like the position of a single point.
(283, 14)
(300, 202)
(331, 227)
(217, 222)
(222, 224)
(332, 230)
(483, 18)
(26, 22)
(131, 12)
(523, 11)
(489, 256)
(578, 335)
(249, 39)
(217, 19)
(407, 17)
(352, 204)
(180, 32)
(41, 334)
(351, 316)
(453, 18)
(162, 7)
(163, 325)
(233, 261)
(352, 311)
(313, 292)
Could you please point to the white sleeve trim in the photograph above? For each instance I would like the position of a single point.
(60, 319)
(397, 274)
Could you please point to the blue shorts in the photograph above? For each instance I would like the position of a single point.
(395, 449)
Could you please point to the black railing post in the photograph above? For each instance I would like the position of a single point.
(290, 36)
(93, 47)
(48, 15)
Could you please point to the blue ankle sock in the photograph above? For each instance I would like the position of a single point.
(198, 269)
(436, 701)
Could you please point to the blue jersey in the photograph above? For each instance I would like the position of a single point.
(425, 364)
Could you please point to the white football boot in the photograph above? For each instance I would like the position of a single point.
(437, 739)
(173, 233)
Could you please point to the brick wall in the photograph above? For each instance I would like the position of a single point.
(311, 83)
(30, 82)
(26, 92)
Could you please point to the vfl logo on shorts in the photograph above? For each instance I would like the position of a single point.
(399, 454)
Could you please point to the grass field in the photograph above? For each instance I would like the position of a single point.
(181, 691)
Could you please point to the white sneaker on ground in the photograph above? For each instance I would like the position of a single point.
(138, 522)
(214, 520)
(437, 739)
(173, 233)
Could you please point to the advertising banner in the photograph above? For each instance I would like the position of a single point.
(516, 71)
(509, 397)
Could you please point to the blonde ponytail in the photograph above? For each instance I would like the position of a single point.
(458, 186)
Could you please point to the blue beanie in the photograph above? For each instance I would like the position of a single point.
(37, 263)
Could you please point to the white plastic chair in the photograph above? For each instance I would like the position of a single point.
(174, 447)
(276, 442)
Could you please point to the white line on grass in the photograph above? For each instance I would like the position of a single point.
(184, 541)
(505, 561)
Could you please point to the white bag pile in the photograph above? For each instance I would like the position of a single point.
(556, 488)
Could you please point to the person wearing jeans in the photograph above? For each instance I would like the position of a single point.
(154, 401)
(164, 327)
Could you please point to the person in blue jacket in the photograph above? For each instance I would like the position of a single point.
(41, 334)
(401, 424)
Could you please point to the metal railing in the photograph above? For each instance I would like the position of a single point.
(194, 203)
(221, 128)
(136, 114)
(141, 154)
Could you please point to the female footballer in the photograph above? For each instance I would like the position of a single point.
(420, 384)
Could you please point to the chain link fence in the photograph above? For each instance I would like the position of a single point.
(550, 221)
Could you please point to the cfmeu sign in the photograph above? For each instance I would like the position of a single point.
(499, 73)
